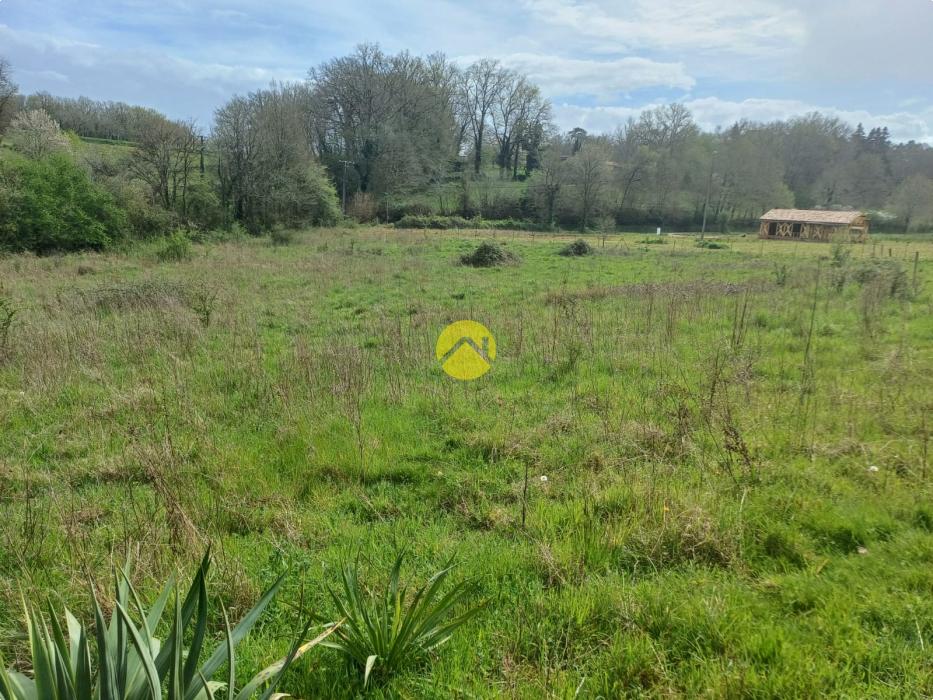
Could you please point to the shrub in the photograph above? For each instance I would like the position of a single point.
(175, 248)
(840, 254)
(131, 663)
(888, 275)
(577, 249)
(711, 245)
(362, 207)
(282, 236)
(147, 220)
(433, 221)
(443, 223)
(309, 198)
(51, 205)
(384, 633)
(488, 255)
(203, 205)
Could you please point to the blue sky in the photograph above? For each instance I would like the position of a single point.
(599, 61)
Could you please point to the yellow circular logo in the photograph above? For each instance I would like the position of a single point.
(466, 350)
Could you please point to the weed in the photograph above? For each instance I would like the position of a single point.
(7, 314)
(780, 274)
(840, 254)
(202, 299)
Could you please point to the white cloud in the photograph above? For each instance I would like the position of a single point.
(751, 27)
(603, 79)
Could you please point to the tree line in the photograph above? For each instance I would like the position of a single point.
(426, 135)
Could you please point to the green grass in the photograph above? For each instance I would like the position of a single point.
(709, 525)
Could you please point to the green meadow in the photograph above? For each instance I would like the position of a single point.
(690, 472)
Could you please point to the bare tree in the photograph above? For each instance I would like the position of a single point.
(589, 173)
(8, 91)
(266, 169)
(383, 113)
(667, 131)
(165, 158)
(550, 179)
(518, 117)
(482, 86)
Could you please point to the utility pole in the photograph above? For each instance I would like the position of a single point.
(202, 154)
(345, 164)
(709, 186)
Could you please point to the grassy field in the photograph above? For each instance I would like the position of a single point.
(690, 473)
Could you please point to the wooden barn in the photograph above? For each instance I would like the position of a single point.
(814, 225)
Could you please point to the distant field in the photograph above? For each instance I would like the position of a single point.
(735, 441)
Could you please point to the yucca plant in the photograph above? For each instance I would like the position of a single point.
(131, 662)
(382, 633)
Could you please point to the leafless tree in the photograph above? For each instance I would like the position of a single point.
(589, 172)
(8, 92)
(482, 86)
(519, 114)
(550, 180)
(165, 158)
(384, 114)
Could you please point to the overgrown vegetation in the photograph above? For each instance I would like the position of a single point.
(52, 205)
(131, 662)
(683, 476)
(458, 222)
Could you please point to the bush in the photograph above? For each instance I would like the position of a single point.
(147, 220)
(204, 209)
(454, 222)
(577, 249)
(175, 248)
(488, 255)
(51, 205)
(711, 245)
(282, 236)
(362, 207)
(309, 199)
(780, 274)
(888, 275)
(433, 221)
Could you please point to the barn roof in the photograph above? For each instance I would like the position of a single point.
(812, 216)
